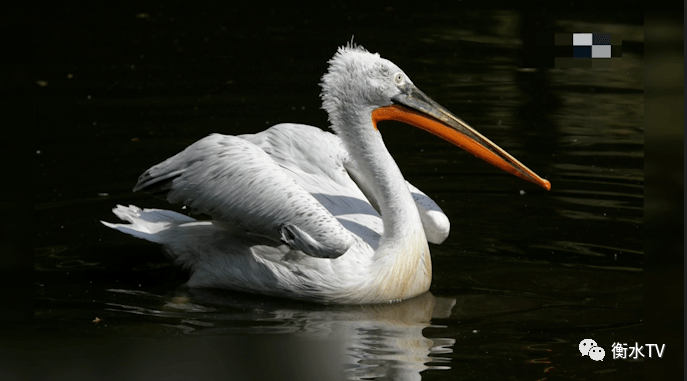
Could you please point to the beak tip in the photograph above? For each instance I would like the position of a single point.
(546, 184)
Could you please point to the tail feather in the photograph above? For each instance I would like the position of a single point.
(147, 224)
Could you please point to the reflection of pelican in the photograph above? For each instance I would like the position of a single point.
(302, 213)
(303, 341)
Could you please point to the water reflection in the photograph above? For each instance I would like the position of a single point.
(54, 258)
(383, 341)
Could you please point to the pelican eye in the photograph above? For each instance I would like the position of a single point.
(398, 78)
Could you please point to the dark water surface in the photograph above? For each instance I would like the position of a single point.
(524, 276)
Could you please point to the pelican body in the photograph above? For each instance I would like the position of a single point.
(302, 213)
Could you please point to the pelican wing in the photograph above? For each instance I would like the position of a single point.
(234, 181)
(434, 221)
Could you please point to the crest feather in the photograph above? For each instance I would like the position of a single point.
(350, 77)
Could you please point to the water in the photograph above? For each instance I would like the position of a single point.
(524, 277)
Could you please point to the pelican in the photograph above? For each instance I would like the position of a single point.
(301, 213)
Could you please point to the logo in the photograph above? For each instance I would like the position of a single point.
(588, 347)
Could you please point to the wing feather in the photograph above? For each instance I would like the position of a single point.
(235, 181)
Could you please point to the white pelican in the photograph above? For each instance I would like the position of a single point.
(302, 213)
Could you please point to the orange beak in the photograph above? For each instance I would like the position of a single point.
(415, 108)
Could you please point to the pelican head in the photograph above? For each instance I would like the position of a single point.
(361, 88)
(357, 83)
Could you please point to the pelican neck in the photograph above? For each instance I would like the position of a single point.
(397, 208)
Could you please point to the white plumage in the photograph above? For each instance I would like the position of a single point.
(302, 213)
